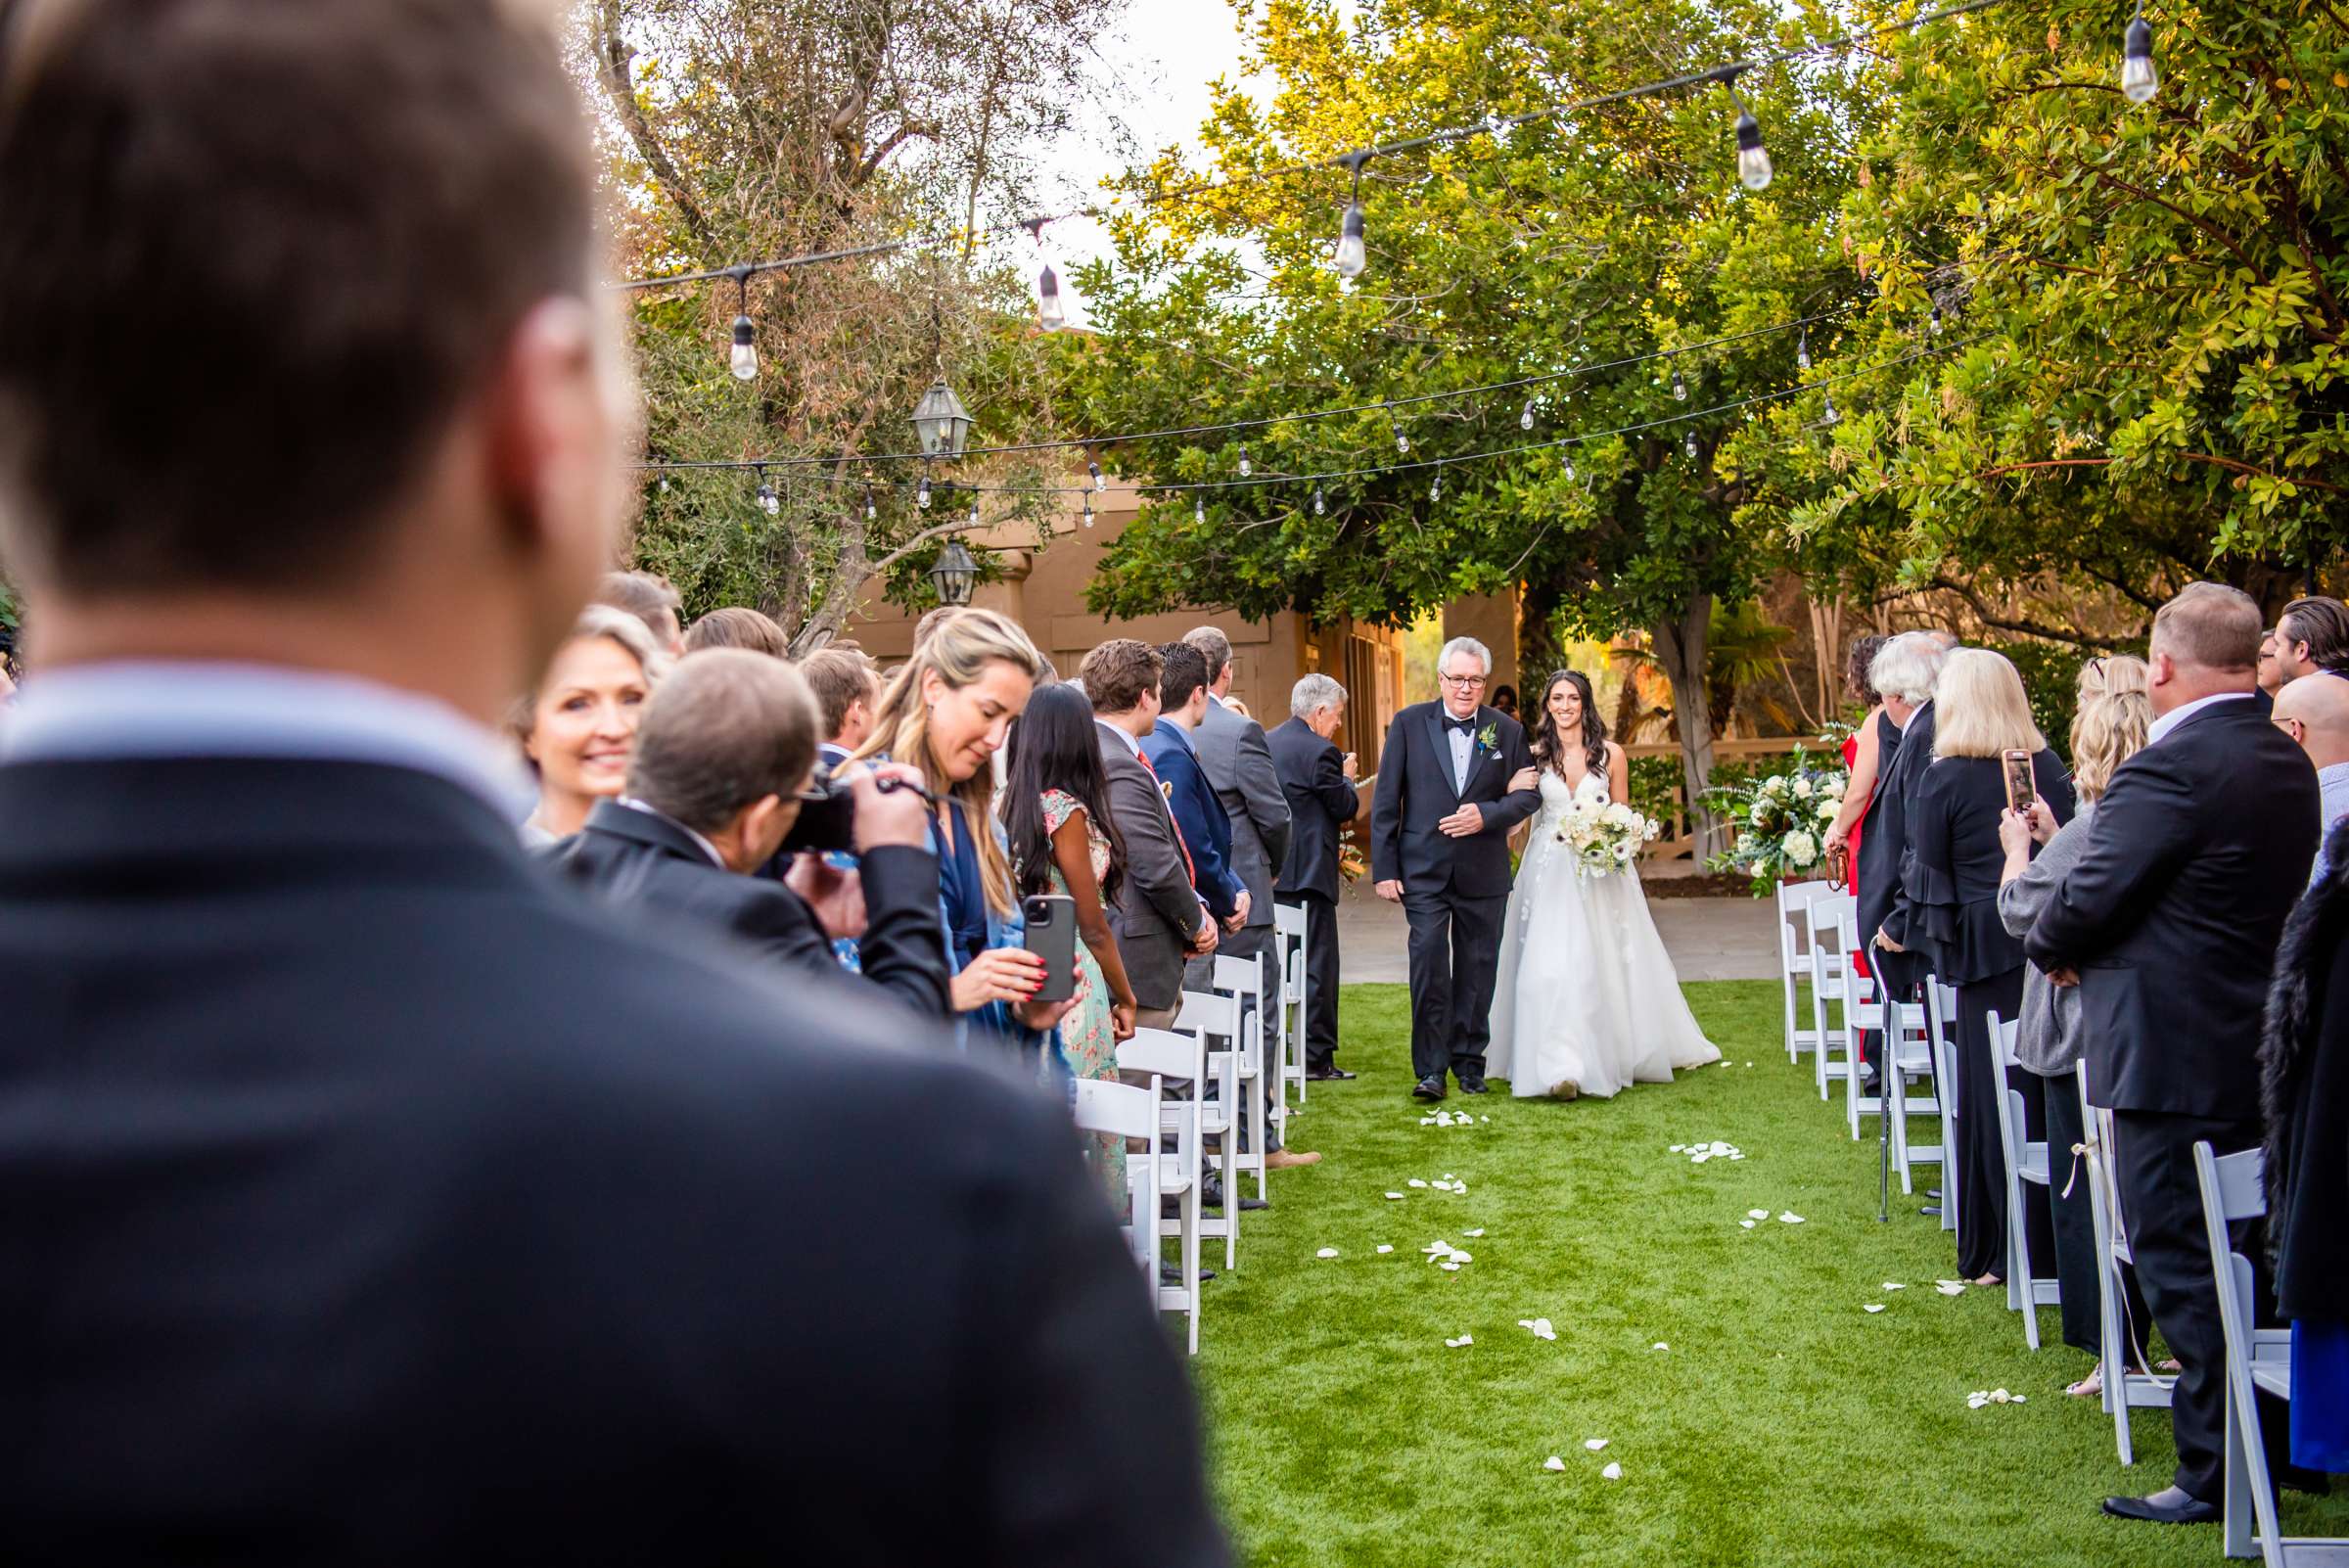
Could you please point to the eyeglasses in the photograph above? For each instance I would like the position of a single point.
(1464, 682)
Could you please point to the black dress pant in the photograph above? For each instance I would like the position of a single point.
(2076, 1259)
(2161, 1199)
(1455, 956)
(1320, 975)
(1981, 1159)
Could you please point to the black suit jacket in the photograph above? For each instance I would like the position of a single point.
(2172, 915)
(371, 1198)
(1415, 793)
(637, 858)
(1321, 802)
(1884, 831)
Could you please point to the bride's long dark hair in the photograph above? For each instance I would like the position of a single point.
(1549, 749)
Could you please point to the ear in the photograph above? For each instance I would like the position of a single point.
(934, 688)
(553, 423)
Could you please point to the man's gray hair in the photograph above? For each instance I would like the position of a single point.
(1213, 647)
(1469, 645)
(1314, 691)
(1909, 668)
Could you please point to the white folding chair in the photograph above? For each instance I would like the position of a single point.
(1941, 1031)
(1243, 980)
(2026, 1166)
(2118, 1344)
(1214, 1020)
(1167, 1058)
(2258, 1361)
(1830, 921)
(1910, 1053)
(1129, 1112)
(1292, 925)
(1794, 958)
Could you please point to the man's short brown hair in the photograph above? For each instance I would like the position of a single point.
(726, 728)
(1115, 673)
(258, 254)
(840, 679)
(2211, 626)
(1213, 647)
(739, 626)
(644, 595)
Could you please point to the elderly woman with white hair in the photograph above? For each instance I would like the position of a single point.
(1950, 898)
(1904, 673)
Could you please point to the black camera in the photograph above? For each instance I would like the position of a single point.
(827, 819)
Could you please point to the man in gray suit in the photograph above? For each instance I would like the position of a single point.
(1159, 920)
(1239, 764)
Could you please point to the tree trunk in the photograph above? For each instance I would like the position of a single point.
(1680, 648)
(1537, 650)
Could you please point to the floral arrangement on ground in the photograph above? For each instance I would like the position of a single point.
(1781, 820)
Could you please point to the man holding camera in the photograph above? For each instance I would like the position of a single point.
(719, 780)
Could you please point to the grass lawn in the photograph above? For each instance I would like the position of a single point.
(1783, 1425)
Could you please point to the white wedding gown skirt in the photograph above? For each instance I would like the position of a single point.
(1587, 994)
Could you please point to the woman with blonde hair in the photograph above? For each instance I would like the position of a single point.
(2114, 716)
(1949, 893)
(947, 711)
(579, 729)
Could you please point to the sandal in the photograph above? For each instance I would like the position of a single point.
(2090, 1387)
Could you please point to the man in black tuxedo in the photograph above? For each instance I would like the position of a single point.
(1904, 675)
(2169, 925)
(723, 753)
(366, 1195)
(1317, 780)
(1440, 820)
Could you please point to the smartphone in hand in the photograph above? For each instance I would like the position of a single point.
(1052, 936)
(2021, 791)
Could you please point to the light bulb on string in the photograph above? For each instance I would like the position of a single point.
(1935, 322)
(1525, 421)
(1680, 387)
(743, 358)
(1092, 467)
(1832, 417)
(1691, 444)
(1246, 468)
(1435, 487)
(921, 493)
(1402, 442)
(1753, 158)
(1352, 255)
(974, 509)
(1051, 312)
(1570, 471)
(870, 510)
(665, 484)
(769, 503)
(2139, 79)
(1088, 511)
(1802, 349)
(1320, 506)
(1199, 507)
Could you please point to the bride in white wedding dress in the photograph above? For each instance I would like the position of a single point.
(1587, 1001)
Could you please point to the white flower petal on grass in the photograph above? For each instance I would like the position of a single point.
(1326, 1252)
(1484, 1119)
(1889, 1285)
(1660, 1345)
(1746, 1224)
(1541, 1327)
(1757, 1214)
(1437, 1246)
(1675, 1148)
(1414, 1182)
(1449, 1267)
(1478, 1231)
(1440, 1185)
(1455, 1344)
(1613, 1472)
(1873, 1307)
(1383, 1247)
(1427, 1121)
(1949, 1287)
(1553, 1462)
(1394, 1194)
(1790, 1218)
(1594, 1443)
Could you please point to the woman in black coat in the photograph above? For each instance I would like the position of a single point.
(2304, 1083)
(1949, 902)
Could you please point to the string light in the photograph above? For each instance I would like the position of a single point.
(1802, 349)
(743, 358)
(1937, 319)
(665, 484)
(769, 503)
(1570, 471)
(1753, 158)
(974, 509)
(2139, 79)
(1691, 444)
(870, 510)
(1050, 313)
(1199, 507)
(1832, 417)
(921, 497)
(1319, 507)
(1352, 255)
(1088, 511)
(1525, 421)
(1246, 468)
(1435, 487)
(1402, 442)
(1092, 467)
(1680, 387)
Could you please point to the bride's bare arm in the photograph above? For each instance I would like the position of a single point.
(1525, 778)
(1619, 776)
(1862, 785)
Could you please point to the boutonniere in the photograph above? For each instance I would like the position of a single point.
(1166, 787)
(1489, 738)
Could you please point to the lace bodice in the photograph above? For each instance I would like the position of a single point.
(1558, 796)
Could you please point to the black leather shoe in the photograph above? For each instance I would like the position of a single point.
(1430, 1088)
(1473, 1085)
(2170, 1505)
(1168, 1275)
(1327, 1074)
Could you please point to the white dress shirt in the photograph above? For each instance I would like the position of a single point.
(2178, 715)
(198, 708)
(1462, 744)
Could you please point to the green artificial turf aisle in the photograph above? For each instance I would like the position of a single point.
(1783, 1425)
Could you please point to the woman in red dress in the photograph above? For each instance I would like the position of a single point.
(1863, 756)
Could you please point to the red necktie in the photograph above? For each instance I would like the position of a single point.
(1174, 822)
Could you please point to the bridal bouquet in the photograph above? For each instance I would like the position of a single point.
(1781, 821)
(1605, 835)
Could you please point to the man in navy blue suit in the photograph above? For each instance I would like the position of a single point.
(1206, 825)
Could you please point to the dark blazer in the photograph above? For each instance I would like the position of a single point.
(373, 1199)
(1414, 792)
(1206, 826)
(1238, 763)
(1884, 830)
(2172, 915)
(1157, 914)
(2303, 1089)
(1950, 884)
(637, 858)
(1321, 802)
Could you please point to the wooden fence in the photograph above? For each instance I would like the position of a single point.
(1678, 841)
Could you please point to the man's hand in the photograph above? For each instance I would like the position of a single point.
(837, 896)
(1239, 912)
(891, 816)
(1121, 1020)
(1886, 942)
(1389, 890)
(1349, 766)
(1203, 942)
(1468, 819)
(2063, 976)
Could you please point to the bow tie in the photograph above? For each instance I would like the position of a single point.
(1466, 726)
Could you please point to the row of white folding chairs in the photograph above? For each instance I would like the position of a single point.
(2120, 1340)
(2028, 1163)
(1843, 1004)
(1290, 926)
(1170, 1164)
